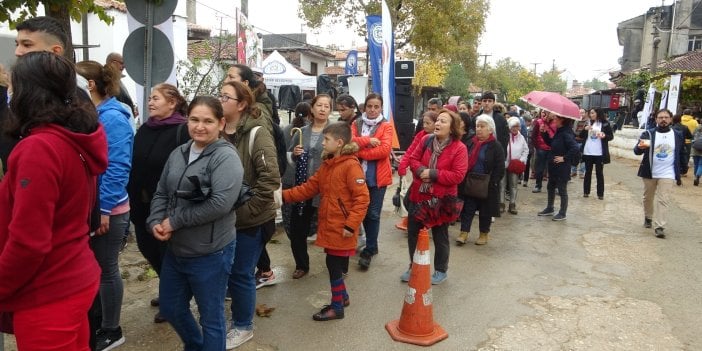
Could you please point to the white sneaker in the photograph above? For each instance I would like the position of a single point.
(262, 281)
(312, 238)
(236, 337)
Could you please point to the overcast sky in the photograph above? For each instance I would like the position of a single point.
(580, 35)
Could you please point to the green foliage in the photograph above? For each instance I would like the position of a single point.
(456, 81)
(691, 91)
(630, 81)
(200, 77)
(446, 29)
(28, 8)
(552, 81)
(429, 72)
(595, 84)
(509, 80)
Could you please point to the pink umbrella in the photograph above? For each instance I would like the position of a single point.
(554, 103)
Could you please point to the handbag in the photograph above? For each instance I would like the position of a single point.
(697, 144)
(476, 185)
(515, 166)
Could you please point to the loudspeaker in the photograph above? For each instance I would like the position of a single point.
(405, 134)
(404, 109)
(404, 69)
(403, 90)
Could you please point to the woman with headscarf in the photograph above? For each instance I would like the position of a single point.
(438, 163)
(485, 156)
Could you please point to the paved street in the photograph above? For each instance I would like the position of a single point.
(597, 281)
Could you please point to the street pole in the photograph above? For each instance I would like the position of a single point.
(656, 41)
(535, 63)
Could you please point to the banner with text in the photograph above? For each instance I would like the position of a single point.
(674, 93)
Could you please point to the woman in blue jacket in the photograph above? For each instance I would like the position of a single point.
(103, 84)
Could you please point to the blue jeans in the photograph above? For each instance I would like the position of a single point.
(205, 278)
(242, 282)
(540, 165)
(371, 223)
(106, 248)
(698, 165)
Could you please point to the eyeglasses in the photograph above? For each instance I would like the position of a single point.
(225, 98)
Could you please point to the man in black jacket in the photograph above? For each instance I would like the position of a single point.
(663, 150)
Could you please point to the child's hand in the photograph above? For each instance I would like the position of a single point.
(347, 234)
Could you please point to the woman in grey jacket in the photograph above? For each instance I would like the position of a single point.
(193, 210)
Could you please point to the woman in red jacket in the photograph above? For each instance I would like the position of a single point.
(428, 120)
(373, 134)
(439, 164)
(49, 276)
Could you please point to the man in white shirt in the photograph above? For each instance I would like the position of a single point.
(663, 149)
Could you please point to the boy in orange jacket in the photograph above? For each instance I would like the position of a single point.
(344, 200)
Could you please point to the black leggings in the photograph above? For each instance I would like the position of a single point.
(337, 265)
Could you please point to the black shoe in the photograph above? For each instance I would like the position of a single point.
(158, 318)
(586, 195)
(106, 340)
(660, 233)
(696, 182)
(559, 217)
(365, 260)
(154, 302)
(648, 223)
(600, 197)
(546, 212)
(327, 314)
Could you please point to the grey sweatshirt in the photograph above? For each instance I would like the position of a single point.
(204, 222)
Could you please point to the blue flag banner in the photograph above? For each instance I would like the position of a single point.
(375, 51)
(351, 63)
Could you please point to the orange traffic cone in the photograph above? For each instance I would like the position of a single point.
(402, 224)
(416, 324)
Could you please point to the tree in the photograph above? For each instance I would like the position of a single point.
(449, 29)
(595, 84)
(429, 72)
(204, 74)
(62, 10)
(552, 81)
(456, 81)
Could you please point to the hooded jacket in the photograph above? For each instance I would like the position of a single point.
(343, 202)
(203, 222)
(260, 167)
(120, 138)
(45, 201)
(691, 124)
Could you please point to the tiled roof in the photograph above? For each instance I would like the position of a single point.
(689, 62)
(204, 49)
(112, 4)
(334, 70)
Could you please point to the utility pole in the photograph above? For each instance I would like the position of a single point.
(656, 20)
(535, 63)
(484, 56)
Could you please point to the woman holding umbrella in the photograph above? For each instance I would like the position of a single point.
(564, 149)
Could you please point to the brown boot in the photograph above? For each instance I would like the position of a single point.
(482, 239)
(513, 209)
(462, 238)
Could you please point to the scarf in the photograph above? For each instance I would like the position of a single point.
(366, 128)
(174, 119)
(437, 147)
(474, 152)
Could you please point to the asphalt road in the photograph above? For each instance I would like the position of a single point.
(597, 281)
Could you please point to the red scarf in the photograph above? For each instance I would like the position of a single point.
(474, 152)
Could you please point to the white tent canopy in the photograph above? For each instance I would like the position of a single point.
(278, 71)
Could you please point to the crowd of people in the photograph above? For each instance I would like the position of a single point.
(201, 183)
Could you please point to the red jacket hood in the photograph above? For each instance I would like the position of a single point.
(93, 146)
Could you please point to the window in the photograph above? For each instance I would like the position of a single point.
(694, 43)
(313, 68)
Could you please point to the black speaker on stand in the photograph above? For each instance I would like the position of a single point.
(404, 111)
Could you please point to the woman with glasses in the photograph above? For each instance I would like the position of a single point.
(253, 218)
